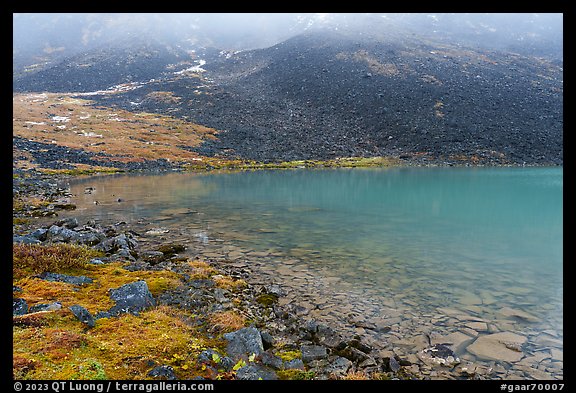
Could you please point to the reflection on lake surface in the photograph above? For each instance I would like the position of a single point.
(404, 257)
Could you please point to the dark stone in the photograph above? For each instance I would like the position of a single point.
(25, 240)
(267, 340)
(131, 298)
(46, 307)
(39, 234)
(152, 257)
(83, 315)
(393, 364)
(271, 360)
(91, 238)
(202, 283)
(353, 354)
(330, 338)
(116, 243)
(75, 280)
(313, 352)
(163, 372)
(171, 249)
(244, 342)
(64, 206)
(16, 289)
(255, 372)
(294, 364)
(223, 362)
(19, 306)
(274, 289)
(70, 222)
(57, 234)
(356, 343)
(339, 366)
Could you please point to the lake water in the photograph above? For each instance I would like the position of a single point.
(404, 257)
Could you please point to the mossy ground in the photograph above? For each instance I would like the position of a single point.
(56, 345)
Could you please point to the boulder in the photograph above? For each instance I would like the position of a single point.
(56, 234)
(504, 346)
(83, 315)
(294, 364)
(152, 257)
(339, 367)
(171, 249)
(46, 307)
(313, 352)
(70, 222)
(244, 342)
(39, 234)
(439, 354)
(270, 360)
(25, 240)
(163, 372)
(74, 280)
(255, 372)
(19, 306)
(131, 298)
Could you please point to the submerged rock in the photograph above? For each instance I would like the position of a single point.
(504, 346)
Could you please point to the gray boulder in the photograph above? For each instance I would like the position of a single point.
(313, 352)
(255, 372)
(131, 298)
(46, 307)
(83, 315)
(244, 342)
(163, 372)
(19, 306)
(75, 280)
(27, 239)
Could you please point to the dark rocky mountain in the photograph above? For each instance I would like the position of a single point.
(328, 93)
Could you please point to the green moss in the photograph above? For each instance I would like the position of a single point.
(20, 221)
(295, 374)
(79, 172)
(267, 299)
(89, 369)
(288, 355)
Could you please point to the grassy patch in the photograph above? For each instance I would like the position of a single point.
(227, 321)
(33, 258)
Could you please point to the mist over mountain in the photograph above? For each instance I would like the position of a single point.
(304, 86)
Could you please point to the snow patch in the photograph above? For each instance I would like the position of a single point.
(35, 123)
(61, 127)
(91, 134)
(196, 68)
(60, 119)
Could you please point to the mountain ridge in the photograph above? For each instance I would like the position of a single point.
(325, 94)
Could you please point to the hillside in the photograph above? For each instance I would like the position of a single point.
(325, 94)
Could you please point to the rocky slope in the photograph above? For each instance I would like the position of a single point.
(326, 94)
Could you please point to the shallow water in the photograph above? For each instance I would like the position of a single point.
(424, 251)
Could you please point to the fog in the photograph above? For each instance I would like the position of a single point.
(60, 35)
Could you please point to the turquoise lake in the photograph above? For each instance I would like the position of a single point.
(425, 248)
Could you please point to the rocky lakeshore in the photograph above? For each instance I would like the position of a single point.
(258, 325)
